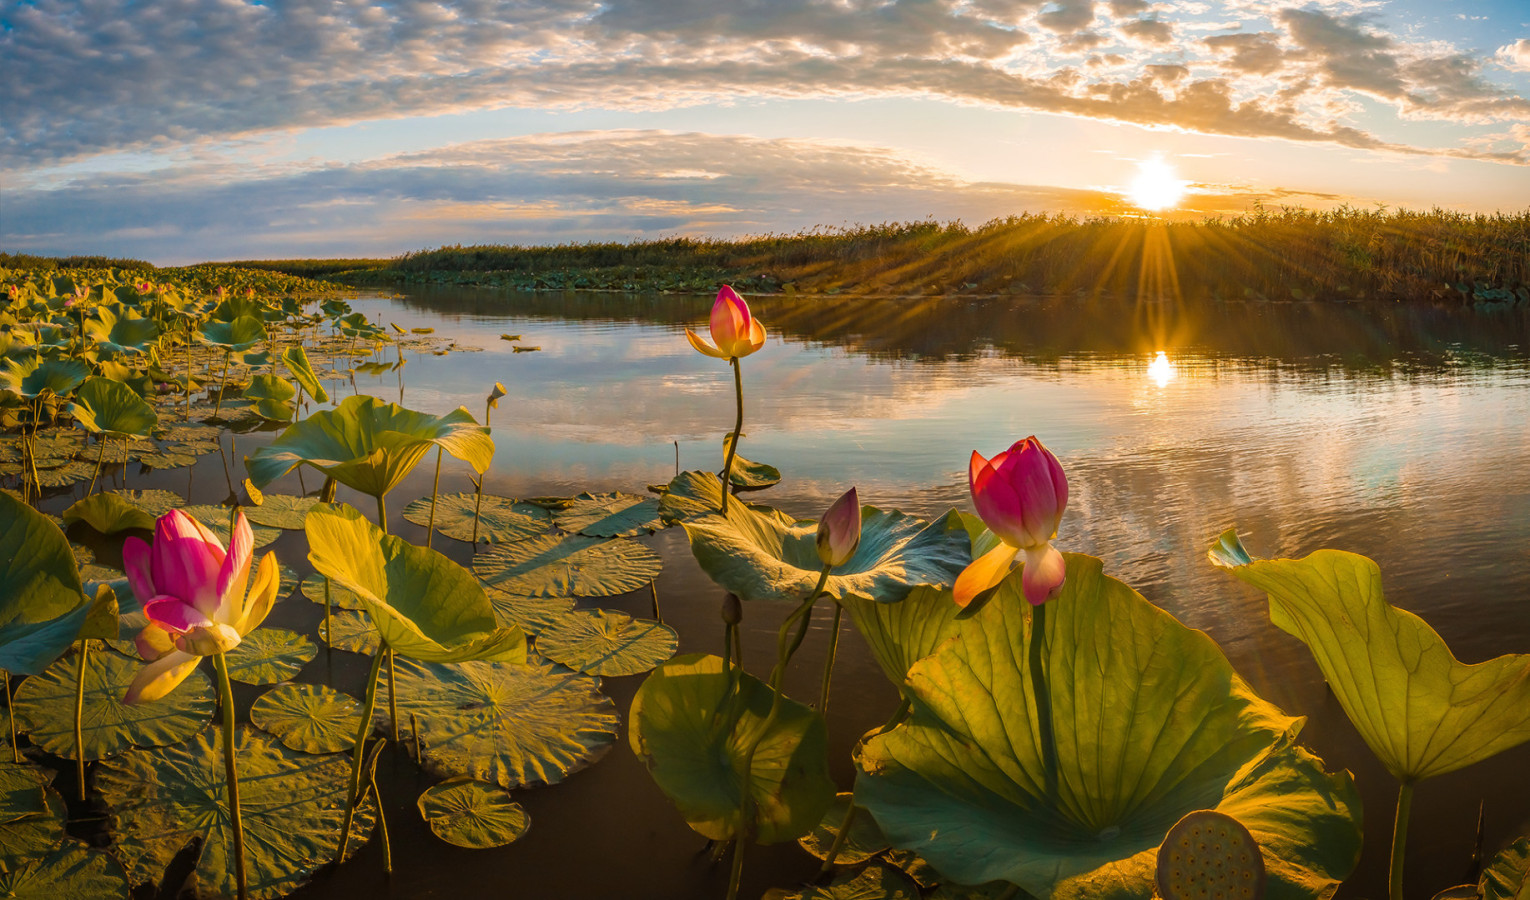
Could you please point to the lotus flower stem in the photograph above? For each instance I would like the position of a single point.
(839, 839)
(736, 873)
(828, 666)
(382, 820)
(477, 505)
(392, 696)
(653, 587)
(79, 717)
(10, 705)
(226, 700)
(353, 797)
(738, 430)
(97, 474)
(223, 382)
(1399, 840)
(1043, 699)
(435, 488)
(382, 514)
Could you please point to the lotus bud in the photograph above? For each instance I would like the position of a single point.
(839, 532)
(735, 331)
(494, 395)
(1020, 495)
(732, 610)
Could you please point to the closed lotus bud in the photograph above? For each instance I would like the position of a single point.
(839, 532)
(732, 610)
(735, 331)
(1020, 494)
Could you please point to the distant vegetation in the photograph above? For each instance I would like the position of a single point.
(25, 262)
(313, 268)
(1344, 254)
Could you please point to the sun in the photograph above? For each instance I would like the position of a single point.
(1157, 186)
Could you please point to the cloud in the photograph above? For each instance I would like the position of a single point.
(86, 77)
(1515, 56)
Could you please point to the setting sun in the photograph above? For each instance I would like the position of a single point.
(1157, 185)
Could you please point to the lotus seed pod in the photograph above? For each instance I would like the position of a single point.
(732, 610)
(1209, 855)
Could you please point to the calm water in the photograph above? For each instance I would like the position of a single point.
(1398, 433)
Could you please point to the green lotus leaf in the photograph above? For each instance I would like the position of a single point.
(30, 648)
(65, 475)
(292, 806)
(103, 406)
(533, 614)
(168, 457)
(239, 334)
(311, 718)
(424, 605)
(571, 566)
(109, 514)
(370, 445)
(273, 397)
(22, 791)
(1507, 876)
(510, 725)
(607, 642)
(29, 838)
(119, 328)
(71, 871)
(340, 596)
(1150, 721)
(864, 841)
(749, 476)
(38, 579)
(353, 632)
(269, 656)
(154, 502)
(500, 519)
(696, 753)
(900, 634)
(691, 495)
(874, 882)
(615, 514)
(34, 376)
(45, 708)
(1422, 712)
(472, 814)
(762, 554)
(296, 359)
(280, 511)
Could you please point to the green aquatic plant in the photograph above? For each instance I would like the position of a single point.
(1420, 710)
(108, 409)
(736, 333)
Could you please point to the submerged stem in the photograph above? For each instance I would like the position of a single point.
(79, 717)
(1043, 699)
(353, 797)
(738, 430)
(1399, 840)
(226, 700)
(99, 456)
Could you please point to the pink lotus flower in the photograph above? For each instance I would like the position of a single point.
(1020, 494)
(734, 330)
(839, 532)
(194, 595)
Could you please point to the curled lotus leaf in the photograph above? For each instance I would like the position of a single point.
(73, 870)
(1150, 723)
(45, 708)
(1507, 876)
(864, 841)
(31, 377)
(154, 502)
(512, 725)
(607, 642)
(235, 335)
(38, 578)
(271, 397)
(500, 519)
(302, 371)
(568, 566)
(292, 806)
(109, 514)
(370, 445)
(615, 514)
(764, 554)
(693, 733)
(120, 329)
(1421, 711)
(750, 476)
(424, 605)
(472, 814)
(104, 406)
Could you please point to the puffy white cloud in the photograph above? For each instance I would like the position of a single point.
(1516, 56)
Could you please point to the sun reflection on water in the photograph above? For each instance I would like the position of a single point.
(1160, 369)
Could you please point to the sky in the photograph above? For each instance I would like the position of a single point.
(181, 131)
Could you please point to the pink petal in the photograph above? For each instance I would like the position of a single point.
(984, 572)
(235, 573)
(160, 677)
(137, 558)
(1044, 574)
(174, 614)
(184, 561)
(730, 319)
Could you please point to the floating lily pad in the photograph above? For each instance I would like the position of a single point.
(45, 708)
(500, 519)
(74, 870)
(472, 814)
(864, 841)
(1155, 728)
(184, 432)
(678, 729)
(752, 476)
(875, 882)
(340, 596)
(21, 791)
(508, 724)
(154, 502)
(109, 514)
(611, 515)
(216, 520)
(170, 457)
(353, 632)
(292, 806)
(533, 614)
(280, 511)
(572, 566)
(763, 554)
(31, 837)
(1507, 876)
(311, 718)
(63, 476)
(269, 656)
(607, 642)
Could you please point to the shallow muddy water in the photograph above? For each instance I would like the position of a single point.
(1397, 433)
